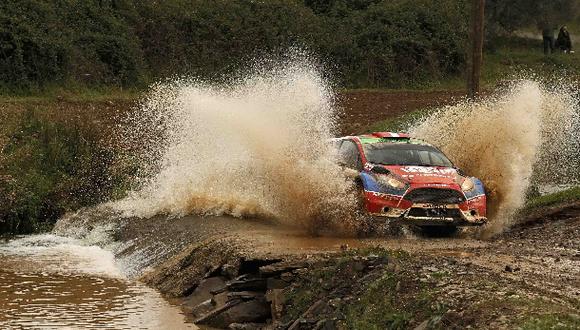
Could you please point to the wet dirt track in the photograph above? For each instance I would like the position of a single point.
(544, 251)
(533, 268)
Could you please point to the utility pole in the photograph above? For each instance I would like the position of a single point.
(476, 49)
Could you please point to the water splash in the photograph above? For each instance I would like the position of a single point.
(507, 140)
(258, 147)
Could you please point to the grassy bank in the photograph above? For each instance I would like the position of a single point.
(561, 197)
(420, 291)
(58, 156)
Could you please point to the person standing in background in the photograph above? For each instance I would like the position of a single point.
(548, 36)
(564, 42)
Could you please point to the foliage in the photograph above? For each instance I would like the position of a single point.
(568, 195)
(129, 43)
(54, 42)
(509, 15)
(49, 168)
(381, 307)
(362, 43)
(551, 321)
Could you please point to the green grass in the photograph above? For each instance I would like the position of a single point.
(513, 58)
(381, 306)
(73, 94)
(568, 195)
(518, 57)
(321, 281)
(551, 321)
(400, 123)
(50, 167)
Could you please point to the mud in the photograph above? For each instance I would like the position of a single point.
(531, 271)
(363, 108)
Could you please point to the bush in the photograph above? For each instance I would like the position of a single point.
(55, 42)
(50, 168)
(128, 43)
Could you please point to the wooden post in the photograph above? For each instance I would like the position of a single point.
(476, 49)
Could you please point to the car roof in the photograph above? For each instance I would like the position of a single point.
(388, 137)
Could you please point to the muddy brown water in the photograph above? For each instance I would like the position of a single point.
(52, 282)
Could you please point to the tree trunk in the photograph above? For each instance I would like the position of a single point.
(476, 51)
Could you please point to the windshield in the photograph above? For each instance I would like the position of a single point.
(405, 154)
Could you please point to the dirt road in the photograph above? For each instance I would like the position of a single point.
(362, 108)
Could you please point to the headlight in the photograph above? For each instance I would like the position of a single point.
(467, 184)
(391, 181)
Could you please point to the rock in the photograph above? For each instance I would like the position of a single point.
(204, 291)
(301, 324)
(252, 311)
(281, 267)
(244, 295)
(508, 269)
(273, 283)
(214, 317)
(246, 326)
(325, 325)
(423, 326)
(247, 284)
(277, 299)
(257, 310)
(304, 321)
(229, 271)
(219, 300)
(203, 308)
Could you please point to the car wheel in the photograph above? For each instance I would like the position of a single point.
(365, 226)
(361, 200)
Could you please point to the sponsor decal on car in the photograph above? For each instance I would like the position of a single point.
(428, 170)
(385, 196)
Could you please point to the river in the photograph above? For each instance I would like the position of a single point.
(50, 282)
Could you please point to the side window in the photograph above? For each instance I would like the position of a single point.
(349, 156)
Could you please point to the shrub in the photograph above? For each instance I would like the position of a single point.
(50, 168)
(128, 43)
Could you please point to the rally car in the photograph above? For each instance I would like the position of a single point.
(407, 180)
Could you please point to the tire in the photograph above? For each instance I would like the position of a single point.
(361, 200)
(366, 223)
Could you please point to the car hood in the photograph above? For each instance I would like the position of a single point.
(426, 174)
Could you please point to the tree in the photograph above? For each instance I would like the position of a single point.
(476, 54)
(509, 15)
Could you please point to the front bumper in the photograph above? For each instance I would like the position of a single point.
(468, 213)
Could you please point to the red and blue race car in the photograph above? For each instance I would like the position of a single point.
(408, 180)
